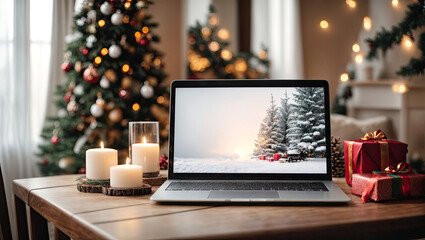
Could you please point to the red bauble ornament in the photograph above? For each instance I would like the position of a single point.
(163, 162)
(66, 66)
(132, 23)
(54, 140)
(143, 41)
(82, 171)
(44, 161)
(124, 94)
(67, 97)
(85, 51)
(91, 75)
(370, 45)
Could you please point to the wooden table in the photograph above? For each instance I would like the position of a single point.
(97, 216)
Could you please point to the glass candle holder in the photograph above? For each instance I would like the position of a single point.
(144, 147)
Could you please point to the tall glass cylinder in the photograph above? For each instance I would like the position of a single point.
(144, 146)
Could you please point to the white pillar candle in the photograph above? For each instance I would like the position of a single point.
(146, 155)
(126, 176)
(99, 161)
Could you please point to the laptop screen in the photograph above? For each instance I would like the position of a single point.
(250, 130)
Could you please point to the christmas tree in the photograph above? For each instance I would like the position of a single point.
(283, 122)
(269, 138)
(385, 39)
(306, 130)
(209, 58)
(114, 75)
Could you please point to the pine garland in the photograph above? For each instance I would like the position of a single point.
(87, 181)
(385, 39)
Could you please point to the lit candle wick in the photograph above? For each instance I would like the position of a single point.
(101, 144)
(127, 162)
(144, 139)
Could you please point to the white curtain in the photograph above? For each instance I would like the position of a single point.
(62, 25)
(276, 24)
(16, 148)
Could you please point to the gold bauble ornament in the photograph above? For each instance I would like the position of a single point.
(81, 126)
(115, 115)
(78, 66)
(126, 82)
(124, 122)
(110, 75)
(152, 81)
(109, 106)
(91, 28)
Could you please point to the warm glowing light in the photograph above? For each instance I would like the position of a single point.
(367, 23)
(226, 54)
(127, 161)
(240, 65)
(206, 32)
(324, 24)
(223, 34)
(344, 77)
(97, 60)
(104, 51)
(407, 41)
(356, 47)
(144, 139)
(394, 3)
(125, 68)
(126, 19)
(400, 88)
(160, 100)
(358, 58)
(145, 29)
(351, 3)
(127, 5)
(101, 23)
(137, 35)
(157, 62)
(214, 46)
(213, 20)
(262, 54)
(135, 107)
(101, 144)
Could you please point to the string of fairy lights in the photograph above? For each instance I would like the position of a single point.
(358, 55)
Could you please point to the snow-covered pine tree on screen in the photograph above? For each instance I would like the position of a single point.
(114, 75)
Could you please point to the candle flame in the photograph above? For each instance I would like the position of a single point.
(101, 144)
(127, 161)
(144, 139)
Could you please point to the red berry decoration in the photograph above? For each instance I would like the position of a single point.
(82, 171)
(143, 41)
(163, 162)
(66, 66)
(85, 51)
(54, 140)
(91, 75)
(370, 45)
(44, 161)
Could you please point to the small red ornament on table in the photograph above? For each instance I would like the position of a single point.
(82, 171)
(163, 162)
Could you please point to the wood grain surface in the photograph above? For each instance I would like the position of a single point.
(97, 216)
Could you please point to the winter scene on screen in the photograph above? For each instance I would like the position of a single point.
(250, 130)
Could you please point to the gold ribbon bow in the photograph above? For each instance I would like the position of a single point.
(402, 168)
(376, 135)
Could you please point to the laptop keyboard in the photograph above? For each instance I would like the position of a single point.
(281, 186)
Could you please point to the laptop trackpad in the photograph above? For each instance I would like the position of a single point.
(242, 194)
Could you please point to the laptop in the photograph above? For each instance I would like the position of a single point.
(249, 141)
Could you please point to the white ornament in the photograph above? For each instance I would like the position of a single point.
(140, 4)
(90, 40)
(116, 18)
(79, 90)
(91, 16)
(106, 8)
(62, 113)
(96, 110)
(80, 22)
(146, 91)
(114, 51)
(104, 82)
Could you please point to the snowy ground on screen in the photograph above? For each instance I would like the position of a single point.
(193, 165)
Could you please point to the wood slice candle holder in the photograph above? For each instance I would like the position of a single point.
(158, 180)
(90, 186)
(137, 191)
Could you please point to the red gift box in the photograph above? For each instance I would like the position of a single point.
(372, 153)
(382, 186)
(271, 159)
(276, 156)
(262, 157)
